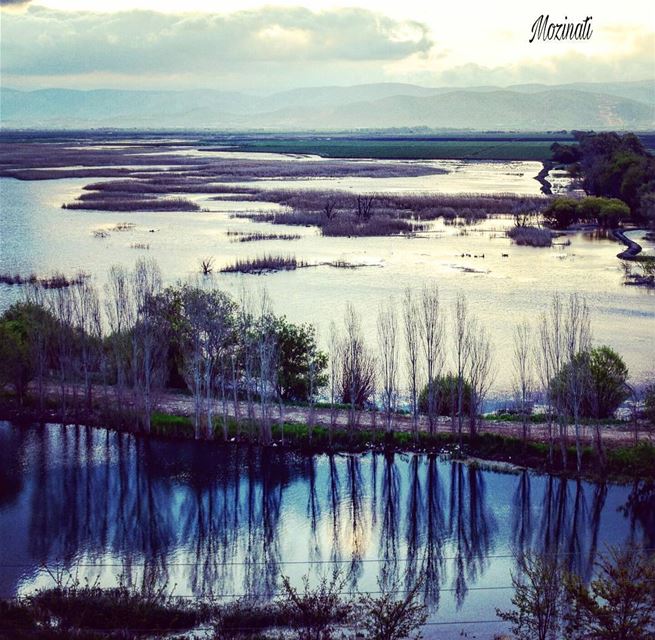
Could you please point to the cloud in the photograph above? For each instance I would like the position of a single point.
(14, 3)
(42, 42)
(634, 63)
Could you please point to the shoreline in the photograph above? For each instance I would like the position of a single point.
(494, 444)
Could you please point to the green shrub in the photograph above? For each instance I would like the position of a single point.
(446, 394)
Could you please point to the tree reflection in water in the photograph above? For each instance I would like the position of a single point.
(228, 520)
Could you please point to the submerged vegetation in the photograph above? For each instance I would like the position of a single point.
(55, 281)
(316, 612)
(531, 236)
(264, 264)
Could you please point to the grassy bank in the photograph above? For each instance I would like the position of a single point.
(622, 462)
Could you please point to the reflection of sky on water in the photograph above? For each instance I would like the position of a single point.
(228, 521)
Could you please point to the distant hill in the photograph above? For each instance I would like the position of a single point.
(535, 107)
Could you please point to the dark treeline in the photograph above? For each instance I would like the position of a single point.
(243, 365)
(617, 171)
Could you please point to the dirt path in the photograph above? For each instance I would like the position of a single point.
(614, 434)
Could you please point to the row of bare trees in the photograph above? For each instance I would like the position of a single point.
(360, 377)
(239, 359)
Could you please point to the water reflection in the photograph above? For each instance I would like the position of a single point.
(228, 521)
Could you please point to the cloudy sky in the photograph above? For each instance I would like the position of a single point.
(248, 45)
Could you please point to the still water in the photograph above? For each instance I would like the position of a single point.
(504, 283)
(225, 521)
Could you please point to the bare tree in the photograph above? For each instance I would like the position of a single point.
(248, 340)
(88, 321)
(479, 372)
(577, 340)
(120, 316)
(412, 324)
(329, 209)
(388, 360)
(62, 307)
(267, 356)
(148, 345)
(195, 360)
(432, 333)
(523, 373)
(336, 367)
(462, 332)
(358, 367)
(364, 207)
(544, 362)
(554, 348)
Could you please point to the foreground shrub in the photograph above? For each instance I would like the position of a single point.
(314, 613)
(387, 617)
(538, 598)
(118, 608)
(619, 604)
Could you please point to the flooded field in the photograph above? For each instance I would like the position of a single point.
(504, 283)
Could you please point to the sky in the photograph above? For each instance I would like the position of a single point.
(250, 46)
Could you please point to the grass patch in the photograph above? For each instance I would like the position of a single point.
(404, 148)
(244, 236)
(264, 264)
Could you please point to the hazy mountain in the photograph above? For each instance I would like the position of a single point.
(524, 107)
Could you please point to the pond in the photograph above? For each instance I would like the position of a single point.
(211, 520)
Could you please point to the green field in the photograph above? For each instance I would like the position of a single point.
(465, 149)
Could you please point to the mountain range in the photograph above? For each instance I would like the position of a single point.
(528, 107)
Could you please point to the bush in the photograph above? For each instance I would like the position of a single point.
(562, 212)
(301, 366)
(531, 236)
(446, 391)
(607, 212)
(603, 374)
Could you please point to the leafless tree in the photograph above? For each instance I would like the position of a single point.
(544, 362)
(148, 342)
(248, 341)
(267, 361)
(364, 207)
(432, 339)
(336, 367)
(577, 328)
(88, 322)
(358, 367)
(196, 359)
(462, 334)
(553, 346)
(329, 209)
(62, 307)
(523, 379)
(388, 360)
(480, 365)
(412, 325)
(119, 311)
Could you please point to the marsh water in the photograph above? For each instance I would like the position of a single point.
(80, 503)
(504, 283)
